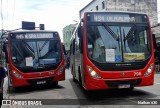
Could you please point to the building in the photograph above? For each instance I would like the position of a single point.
(156, 31)
(146, 6)
(67, 33)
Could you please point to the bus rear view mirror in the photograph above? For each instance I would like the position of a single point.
(64, 50)
(154, 41)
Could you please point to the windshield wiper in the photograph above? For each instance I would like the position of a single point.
(129, 33)
(28, 46)
(15, 46)
(116, 37)
(40, 49)
(111, 32)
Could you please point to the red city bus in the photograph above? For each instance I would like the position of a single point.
(113, 50)
(35, 57)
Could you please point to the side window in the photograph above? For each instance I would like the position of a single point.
(143, 37)
(76, 42)
(72, 47)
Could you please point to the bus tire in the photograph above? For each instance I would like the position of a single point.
(10, 89)
(74, 79)
(129, 89)
(55, 83)
(72, 70)
(80, 79)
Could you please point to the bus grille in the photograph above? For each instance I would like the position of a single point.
(34, 81)
(132, 83)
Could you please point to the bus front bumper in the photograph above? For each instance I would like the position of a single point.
(97, 84)
(16, 82)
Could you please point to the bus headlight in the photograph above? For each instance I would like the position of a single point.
(60, 70)
(17, 75)
(93, 73)
(149, 70)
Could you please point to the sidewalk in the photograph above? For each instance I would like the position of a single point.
(5, 88)
(5, 94)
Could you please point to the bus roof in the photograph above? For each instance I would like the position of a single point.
(31, 31)
(129, 12)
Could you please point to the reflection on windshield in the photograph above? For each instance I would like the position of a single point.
(118, 43)
(35, 53)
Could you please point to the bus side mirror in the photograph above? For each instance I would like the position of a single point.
(64, 50)
(154, 42)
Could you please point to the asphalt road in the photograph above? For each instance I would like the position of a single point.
(69, 94)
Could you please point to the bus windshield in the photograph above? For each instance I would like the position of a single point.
(116, 43)
(35, 52)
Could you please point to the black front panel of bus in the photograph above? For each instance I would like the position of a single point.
(120, 66)
(39, 69)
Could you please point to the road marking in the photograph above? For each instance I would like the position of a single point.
(156, 83)
(132, 100)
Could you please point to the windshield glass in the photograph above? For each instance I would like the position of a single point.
(118, 43)
(35, 52)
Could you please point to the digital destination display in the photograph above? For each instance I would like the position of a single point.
(33, 35)
(113, 18)
(116, 17)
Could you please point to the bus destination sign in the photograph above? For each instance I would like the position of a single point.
(117, 17)
(33, 35)
(113, 18)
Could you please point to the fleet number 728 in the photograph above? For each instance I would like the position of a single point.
(137, 74)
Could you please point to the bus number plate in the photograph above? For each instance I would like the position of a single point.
(41, 82)
(124, 86)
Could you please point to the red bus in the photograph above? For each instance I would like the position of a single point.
(35, 57)
(113, 50)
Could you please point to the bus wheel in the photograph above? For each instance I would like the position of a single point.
(55, 83)
(129, 89)
(74, 79)
(80, 79)
(10, 89)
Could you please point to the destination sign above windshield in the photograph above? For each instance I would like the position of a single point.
(116, 17)
(33, 35)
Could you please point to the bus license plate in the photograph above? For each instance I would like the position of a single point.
(41, 82)
(124, 86)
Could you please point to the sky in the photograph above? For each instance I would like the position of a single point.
(55, 14)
